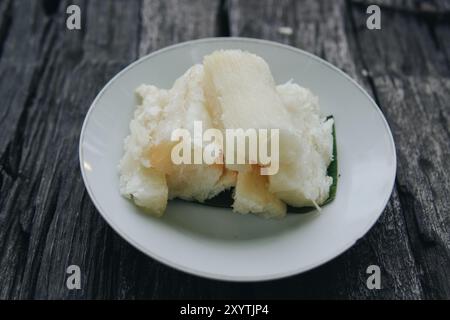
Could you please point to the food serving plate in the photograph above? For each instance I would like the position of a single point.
(215, 242)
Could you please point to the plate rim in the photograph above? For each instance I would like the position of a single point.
(218, 276)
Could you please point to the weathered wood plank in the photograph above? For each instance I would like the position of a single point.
(169, 22)
(410, 73)
(22, 63)
(417, 108)
(5, 22)
(403, 46)
(48, 222)
(319, 27)
(442, 34)
(74, 233)
(439, 7)
(47, 207)
(324, 28)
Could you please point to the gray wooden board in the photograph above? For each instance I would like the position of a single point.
(50, 75)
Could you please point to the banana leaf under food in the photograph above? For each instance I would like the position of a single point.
(225, 198)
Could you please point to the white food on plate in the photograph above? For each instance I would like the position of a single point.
(232, 89)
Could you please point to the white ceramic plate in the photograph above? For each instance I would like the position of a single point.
(217, 243)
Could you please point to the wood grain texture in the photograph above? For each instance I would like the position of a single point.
(422, 179)
(331, 35)
(47, 221)
(438, 7)
(410, 72)
(168, 22)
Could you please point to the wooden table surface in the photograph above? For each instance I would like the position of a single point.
(50, 75)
